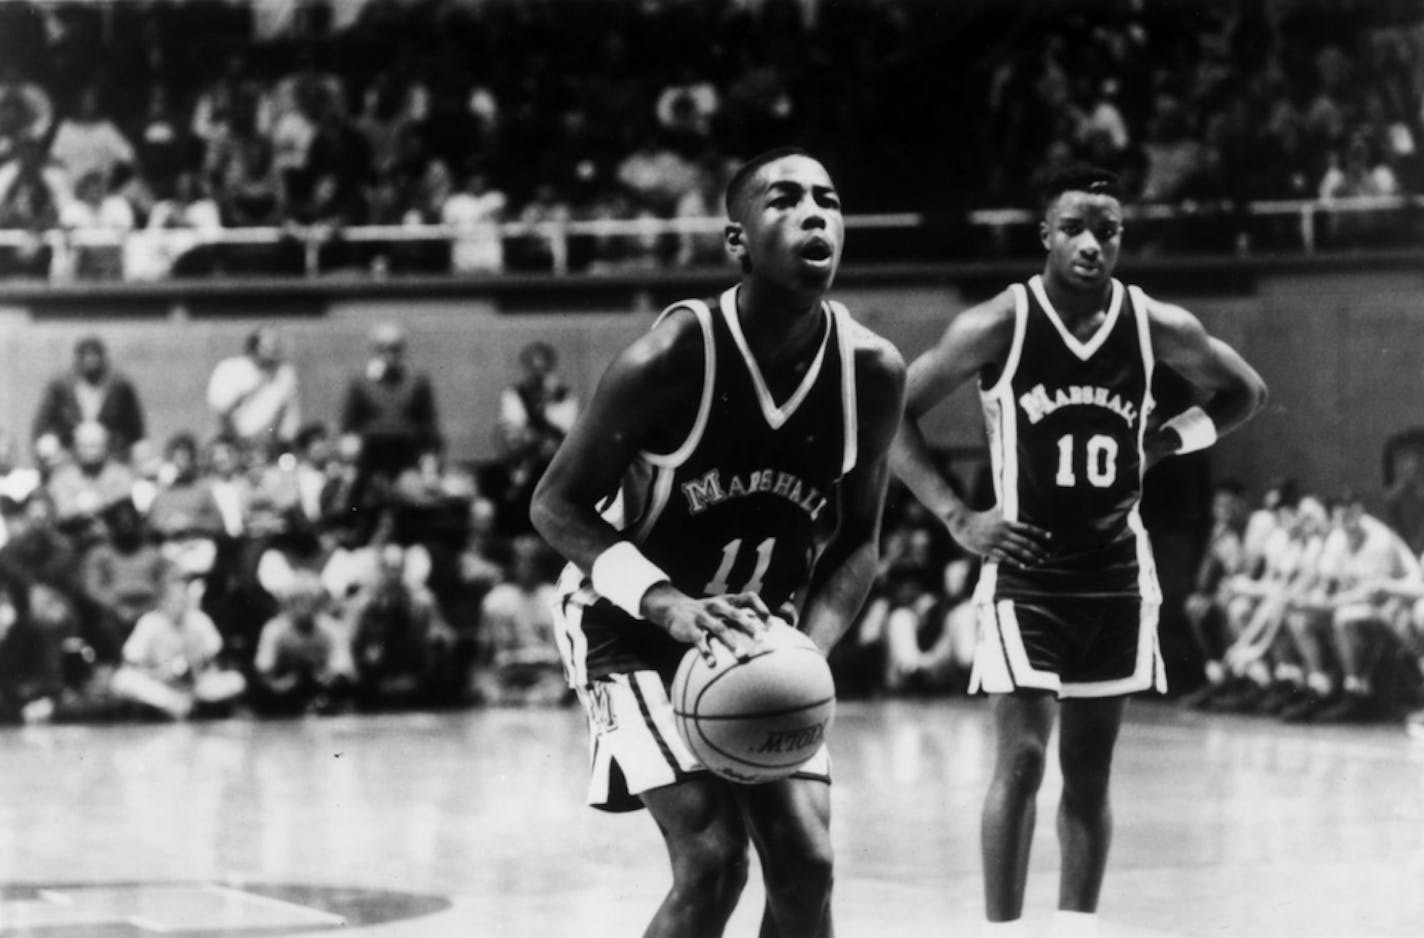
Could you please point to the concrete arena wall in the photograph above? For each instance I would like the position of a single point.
(1342, 347)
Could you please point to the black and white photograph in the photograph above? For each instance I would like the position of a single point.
(711, 468)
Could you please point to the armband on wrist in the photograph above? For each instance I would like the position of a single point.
(621, 575)
(1196, 430)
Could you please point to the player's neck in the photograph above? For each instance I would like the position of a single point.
(778, 324)
(1074, 304)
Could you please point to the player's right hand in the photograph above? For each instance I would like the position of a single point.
(989, 535)
(735, 620)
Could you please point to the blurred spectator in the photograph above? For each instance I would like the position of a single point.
(92, 392)
(235, 98)
(475, 211)
(1174, 159)
(17, 483)
(172, 242)
(46, 563)
(171, 660)
(402, 647)
(519, 664)
(1404, 497)
(94, 206)
(1374, 580)
(703, 201)
(166, 148)
(687, 107)
(303, 662)
(92, 482)
(96, 210)
(88, 142)
(315, 470)
(32, 192)
(390, 408)
(540, 250)
(25, 111)
(656, 176)
(123, 574)
(1361, 174)
(228, 484)
(1224, 557)
(535, 414)
(184, 514)
(245, 176)
(255, 396)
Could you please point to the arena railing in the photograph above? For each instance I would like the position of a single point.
(145, 253)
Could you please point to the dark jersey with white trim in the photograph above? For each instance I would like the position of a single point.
(1065, 421)
(742, 506)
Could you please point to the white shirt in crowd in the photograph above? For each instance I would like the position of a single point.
(256, 403)
(160, 646)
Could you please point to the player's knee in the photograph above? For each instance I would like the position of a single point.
(1022, 763)
(804, 877)
(713, 863)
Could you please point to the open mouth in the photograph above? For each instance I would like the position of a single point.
(816, 251)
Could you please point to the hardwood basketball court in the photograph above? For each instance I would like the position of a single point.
(471, 824)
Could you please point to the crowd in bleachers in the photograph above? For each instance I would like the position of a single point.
(281, 566)
(1310, 609)
(209, 114)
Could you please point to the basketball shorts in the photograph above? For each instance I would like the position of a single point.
(1077, 647)
(635, 747)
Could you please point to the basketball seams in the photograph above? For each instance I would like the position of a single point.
(704, 732)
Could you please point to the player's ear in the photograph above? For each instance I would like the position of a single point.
(734, 238)
(1043, 233)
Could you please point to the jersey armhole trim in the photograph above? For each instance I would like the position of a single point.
(678, 456)
(1144, 330)
(849, 403)
(1011, 361)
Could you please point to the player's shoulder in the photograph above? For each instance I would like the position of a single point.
(675, 342)
(874, 354)
(990, 320)
(1166, 316)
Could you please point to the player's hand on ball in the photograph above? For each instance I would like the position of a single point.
(735, 620)
(989, 535)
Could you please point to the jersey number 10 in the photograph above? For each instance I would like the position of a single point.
(1100, 456)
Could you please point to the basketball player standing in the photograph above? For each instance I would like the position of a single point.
(1068, 596)
(731, 462)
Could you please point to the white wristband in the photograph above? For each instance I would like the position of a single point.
(621, 575)
(1196, 429)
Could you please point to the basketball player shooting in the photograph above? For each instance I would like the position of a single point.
(732, 462)
(1068, 596)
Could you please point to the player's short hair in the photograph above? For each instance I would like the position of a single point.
(1080, 177)
(737, 185)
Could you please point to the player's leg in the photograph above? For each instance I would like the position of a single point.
(1360, 635)
(706, 840)
(1087, 736)
(1022, 723)
(790, 823)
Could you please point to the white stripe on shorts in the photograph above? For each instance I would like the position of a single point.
(631, 720)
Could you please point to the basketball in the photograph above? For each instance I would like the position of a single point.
(760, 719)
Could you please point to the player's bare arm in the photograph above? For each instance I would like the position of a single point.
(653, 384)
(847, 566)
(976, 339)
(1235, 391)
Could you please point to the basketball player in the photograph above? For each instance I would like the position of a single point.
(1068, 596)
(732, 461)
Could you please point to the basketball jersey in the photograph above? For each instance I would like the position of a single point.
(743, 504)
(1065, 421)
